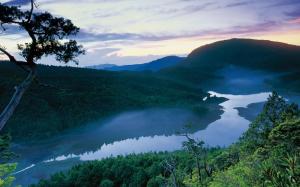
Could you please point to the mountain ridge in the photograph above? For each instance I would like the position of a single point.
(203, 63)
(154, 66)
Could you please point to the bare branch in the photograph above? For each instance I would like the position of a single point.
(32, 4)
(15, 100)
(11, 57)
(21, 64)
(10, 22)
(2, 27)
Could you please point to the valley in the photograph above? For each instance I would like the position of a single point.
(173, 93)
(77, 96)
(88, 115)
(145, 131)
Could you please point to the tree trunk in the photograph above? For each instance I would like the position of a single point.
(199, 170)
(208, 170)
(174, 179)
(16, 98)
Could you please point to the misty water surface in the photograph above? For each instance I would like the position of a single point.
(131, 132)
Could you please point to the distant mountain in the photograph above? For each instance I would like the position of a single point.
(102, 66)
(156, 65)
(204, 62)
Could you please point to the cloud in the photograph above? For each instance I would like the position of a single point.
(17, 2)
(285, 2)
(260, 27)
(294, 13)
(86, 36)
(10, 30)
(294, 21)
(237, 4)
(112, 29)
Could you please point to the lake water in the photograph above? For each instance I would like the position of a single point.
(150, 130)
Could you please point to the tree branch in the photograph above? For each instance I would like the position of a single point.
(15, 100)
(32, 4)
(30, 57)
(23, 65)
(11, 58)
(33, 24)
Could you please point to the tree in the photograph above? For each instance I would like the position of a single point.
(106, 183)
(286, 136)
(49, 36)
(5, 153)
(276, 111)
(199, 152)
(6, 179)
(170, 167)
(6, 169)
(157, 181)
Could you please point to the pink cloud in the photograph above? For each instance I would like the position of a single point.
(294, 21)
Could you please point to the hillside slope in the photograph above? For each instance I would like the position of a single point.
(204, 62)
(78, 96)
(254, 54)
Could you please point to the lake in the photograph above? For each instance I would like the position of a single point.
(149, 130)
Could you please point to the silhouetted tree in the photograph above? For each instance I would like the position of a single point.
(49, 36)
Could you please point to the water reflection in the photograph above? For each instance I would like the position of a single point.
(222, 132)
(128, 126)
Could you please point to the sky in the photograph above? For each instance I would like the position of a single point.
(138, 31)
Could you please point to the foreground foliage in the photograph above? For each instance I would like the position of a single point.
(266, 155)
(6, 169)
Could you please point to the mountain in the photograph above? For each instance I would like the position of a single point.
(254, 54)
(155, 65)
(206, 62)
(102, 66)
(77, 96)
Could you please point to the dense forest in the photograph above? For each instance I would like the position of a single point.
(67, 97)
(266, 155)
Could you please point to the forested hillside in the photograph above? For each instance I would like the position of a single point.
(266, 155)
(204, 63)
(66, 97)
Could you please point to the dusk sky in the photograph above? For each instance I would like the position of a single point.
(137, 31)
